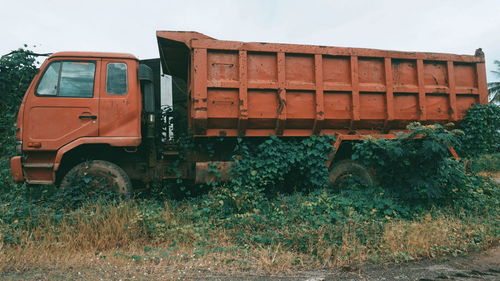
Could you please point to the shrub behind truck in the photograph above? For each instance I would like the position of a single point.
(102, 112)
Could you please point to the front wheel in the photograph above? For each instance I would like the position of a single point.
(98, 175)
(345, 172)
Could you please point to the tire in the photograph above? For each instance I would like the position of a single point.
(345, 169)
(106, 176)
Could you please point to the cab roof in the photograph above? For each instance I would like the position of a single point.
(94, 55)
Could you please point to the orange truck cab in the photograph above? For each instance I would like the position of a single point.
(106, 108)
(77, 98)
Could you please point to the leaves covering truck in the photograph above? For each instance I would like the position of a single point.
(105, 113)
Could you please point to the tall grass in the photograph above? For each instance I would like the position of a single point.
(180, 235)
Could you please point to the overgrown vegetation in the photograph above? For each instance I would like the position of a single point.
(283, 164)
(417, 165)
(481, 131)
(277, 212)
(16, 71)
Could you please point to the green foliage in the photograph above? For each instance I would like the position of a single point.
(16, 71)
(481, 127)
(283, 164)
(22, 206)
(298, 221)
(494, 87)
(416, 172)
(480, 196)
(263, 169)
(486, 163)
(416, 165)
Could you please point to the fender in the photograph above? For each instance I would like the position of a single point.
(339, 138)
(342, 137)
(16, 169)
(112, 141)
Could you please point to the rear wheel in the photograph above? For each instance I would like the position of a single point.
(99, 175)
(346, 172)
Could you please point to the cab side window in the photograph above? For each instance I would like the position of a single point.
(68, 79)
(116, 79)
(48, 84)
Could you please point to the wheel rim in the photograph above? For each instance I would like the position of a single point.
(349, 179)
(100, 180)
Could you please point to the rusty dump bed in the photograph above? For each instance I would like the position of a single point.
(257, 89)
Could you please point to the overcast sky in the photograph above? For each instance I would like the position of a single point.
(451, 26)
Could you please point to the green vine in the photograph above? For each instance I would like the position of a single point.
(286, 164)
(481, 127)
(416, 165)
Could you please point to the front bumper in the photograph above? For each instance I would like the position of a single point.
(16, 169)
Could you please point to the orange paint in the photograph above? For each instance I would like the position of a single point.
(16, 169)
(299, 90)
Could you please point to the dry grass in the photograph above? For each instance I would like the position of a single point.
(114, 235)
(431, 237)
(493, 175)
(96, 229)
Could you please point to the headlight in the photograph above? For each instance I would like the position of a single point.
(19, 147)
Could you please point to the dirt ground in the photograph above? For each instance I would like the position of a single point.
(484, 266)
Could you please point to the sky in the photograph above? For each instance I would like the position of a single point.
(450, 26)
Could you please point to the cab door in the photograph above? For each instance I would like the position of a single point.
(119, 103)
(64, 105)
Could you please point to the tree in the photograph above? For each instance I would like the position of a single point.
(16, 72)
(494, 87)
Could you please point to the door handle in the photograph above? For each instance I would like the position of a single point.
(93, 117)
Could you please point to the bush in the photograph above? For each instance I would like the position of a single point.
(486, 163)
(481, 127)
(295, 164)
(417, 165)
(16, 72)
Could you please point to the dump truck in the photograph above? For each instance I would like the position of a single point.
(105, 112)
